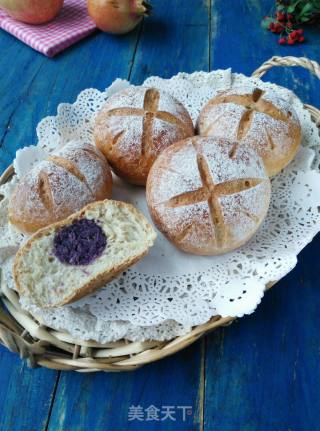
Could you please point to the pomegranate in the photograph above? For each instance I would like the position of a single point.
(32, 11)
(118, 16)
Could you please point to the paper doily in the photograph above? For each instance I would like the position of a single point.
(169, 291)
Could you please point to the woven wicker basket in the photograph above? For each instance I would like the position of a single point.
(45, 347)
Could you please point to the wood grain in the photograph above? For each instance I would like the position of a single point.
(102, 401)
(261, 373)
(271, 381)
(238, 41)
(40, 84)
(174, 39)
(25, 395)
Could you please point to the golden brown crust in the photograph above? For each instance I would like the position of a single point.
(131, 137)
(99, 280)
(268, 125)
(189, 204)
(42, 197)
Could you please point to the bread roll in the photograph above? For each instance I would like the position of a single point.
(69, 259)
(208, 195)
(69, 179)
(134, 127)
(258, 119)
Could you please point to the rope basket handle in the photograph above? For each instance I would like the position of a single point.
(275, 61)
(290, 61)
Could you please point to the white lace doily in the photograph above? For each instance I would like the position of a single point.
(169, 291)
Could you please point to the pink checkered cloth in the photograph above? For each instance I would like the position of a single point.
(71, 25)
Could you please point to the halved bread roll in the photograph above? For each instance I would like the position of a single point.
(69, 259)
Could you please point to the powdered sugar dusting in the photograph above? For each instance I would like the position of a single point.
(68, 192)
(129, 130)
(176, 172)
(121, 133)
(92, 165)
(242, 211)
(275, 138)
(282, 101)
(165, 133)
(167, 103)
(245, 163)
(263, 125)
(133, 97)
(217, 122)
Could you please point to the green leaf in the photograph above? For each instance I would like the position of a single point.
(291, 9)
(307, 8)
(266, 22)
(316, 5)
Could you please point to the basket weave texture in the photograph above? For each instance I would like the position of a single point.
(43, 346)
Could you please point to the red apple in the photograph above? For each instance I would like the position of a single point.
(117, 16)
(32, 11)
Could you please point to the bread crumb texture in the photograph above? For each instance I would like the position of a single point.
(40, 276)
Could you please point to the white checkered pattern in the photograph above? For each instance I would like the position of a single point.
(70, 26)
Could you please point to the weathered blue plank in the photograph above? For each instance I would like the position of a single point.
(19, 66)
(93, 63)
(102, 401)
(263, 372)
(25, 395)
(16, 63)
(238, 41)
(174, 40)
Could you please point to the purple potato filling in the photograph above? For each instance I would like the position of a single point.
(79, 243)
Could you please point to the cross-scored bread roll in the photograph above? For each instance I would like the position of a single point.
(256, 118)
(69, 179)
(134, 127)
(208, 195)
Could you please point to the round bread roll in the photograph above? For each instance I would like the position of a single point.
(261, 120)
(134, 127)
(69, 179)
(208, 195)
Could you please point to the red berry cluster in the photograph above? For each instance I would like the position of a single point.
(294, 37)
(284, 24)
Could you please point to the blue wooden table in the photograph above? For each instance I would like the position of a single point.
(263, 372)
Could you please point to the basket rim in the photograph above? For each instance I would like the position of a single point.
(42, 346)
